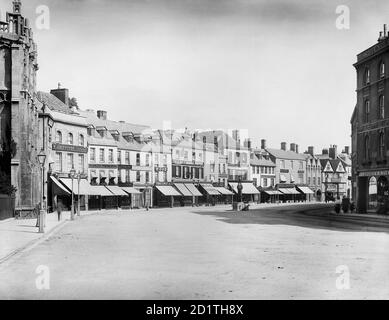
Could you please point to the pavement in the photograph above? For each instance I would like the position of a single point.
(299, 251)
(17, 235)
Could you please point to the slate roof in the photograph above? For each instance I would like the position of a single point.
(290, 155)
(53, 103)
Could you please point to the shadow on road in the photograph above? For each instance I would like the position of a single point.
(314, 217)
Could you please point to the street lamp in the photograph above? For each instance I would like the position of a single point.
(72, 175)
(42, 159)
(78, 196)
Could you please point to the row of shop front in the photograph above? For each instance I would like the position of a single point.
(97, 197)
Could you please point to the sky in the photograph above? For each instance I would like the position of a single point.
(280, 69)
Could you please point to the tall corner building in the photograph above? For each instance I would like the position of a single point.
(370, 128)
(18, 112)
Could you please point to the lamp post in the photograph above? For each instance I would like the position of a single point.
(72, 175)
(41, 219)
(78, 196)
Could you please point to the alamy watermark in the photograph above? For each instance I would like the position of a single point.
(42, 281)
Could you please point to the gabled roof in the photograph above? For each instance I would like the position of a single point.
(333, 163)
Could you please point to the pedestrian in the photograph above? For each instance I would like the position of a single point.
(59, 210)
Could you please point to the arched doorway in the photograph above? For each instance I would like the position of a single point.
(382, 191)
(372, 201)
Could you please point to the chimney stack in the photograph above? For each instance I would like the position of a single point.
(263, 144)
(102, 115)
(311, 150)
(347, 150)
(325, 152)
(61, 93)
(283, 146)
(293, 147)
(333, 152)
(297, 148)
(385, 31)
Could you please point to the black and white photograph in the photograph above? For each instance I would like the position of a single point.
(194, 150)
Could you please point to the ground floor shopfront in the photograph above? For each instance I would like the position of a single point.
(86, 196)
(372, 191)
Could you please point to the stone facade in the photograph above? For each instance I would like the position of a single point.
(18, 111)
(370, 128)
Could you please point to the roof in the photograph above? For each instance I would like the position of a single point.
(225, 141)
(334, 163)
(92, 119)
(290, 155)
(53, 103)
(257, 161)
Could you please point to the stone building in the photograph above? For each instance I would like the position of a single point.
(314, 174)
(369, 127)
(63, 138)
(18, 110)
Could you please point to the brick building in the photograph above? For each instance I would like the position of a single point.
(370, 125)
(18, 110)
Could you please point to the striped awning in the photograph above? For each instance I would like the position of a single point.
(62, 188)
(248, 188)
(272, 192)
(84, 186)
(168, 191)
(100, 191)
(224, 191)
(184, 190)
(131, 190)
(305, 190)
(289, 191)
(191, 187)
(117, 191)
(210, 189)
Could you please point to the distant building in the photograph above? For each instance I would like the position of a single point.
(314, 174)
(336, 173)
(290, 172)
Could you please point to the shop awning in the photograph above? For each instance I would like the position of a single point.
(117, 191)
(248, 188)
(100, 191)
(191, 187)
(131, 190)
(289, 191)
(306, 190)
(168, 191)
(210, 189)
(184, 190)
(61, 189)
(84, 186)
(224, 191)
(272, 192)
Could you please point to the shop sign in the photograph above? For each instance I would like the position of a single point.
(374, 173)
(69, 148)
